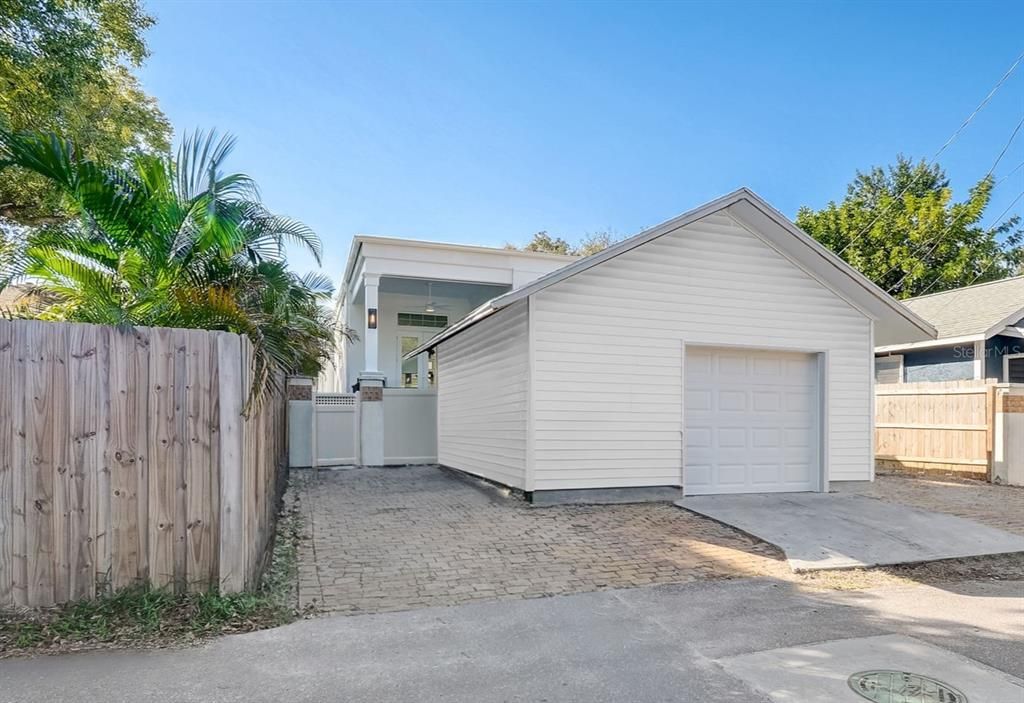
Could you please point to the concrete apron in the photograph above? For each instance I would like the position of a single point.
(819, 531)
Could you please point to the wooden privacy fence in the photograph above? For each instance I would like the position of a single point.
(942, 425)
(125, 457)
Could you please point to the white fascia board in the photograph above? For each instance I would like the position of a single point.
(425, 244)
(1012, 332)
(1008, 321)
(931, 343)
(438, 271)
(413, 244)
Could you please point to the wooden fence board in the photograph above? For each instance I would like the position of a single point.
(163, 460)
(231, 560)
(124, 458)
(201, 463)
(22, 469)
(99, 489)
(179, 342)
(39, 530)
(7, 466)
(83, 403)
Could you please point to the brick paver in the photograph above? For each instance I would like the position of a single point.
(393, 539)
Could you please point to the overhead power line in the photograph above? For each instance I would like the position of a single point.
(952, 138)
(956, 220)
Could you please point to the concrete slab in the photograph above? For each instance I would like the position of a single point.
(819, 673)
(833, 531)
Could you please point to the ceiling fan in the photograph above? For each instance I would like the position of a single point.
(431, 305)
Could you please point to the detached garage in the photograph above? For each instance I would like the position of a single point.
(724, 351)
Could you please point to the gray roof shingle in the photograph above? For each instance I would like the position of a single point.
(971, 310)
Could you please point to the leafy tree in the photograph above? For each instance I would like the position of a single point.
(65, 66)
(594, 242)
(542, 241)
(900, 227)
(590, 244)
(173, 243)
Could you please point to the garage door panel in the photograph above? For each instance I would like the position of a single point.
(732, 438)
(732, 474)
(766, 438)
(699, 475)
(731, 401)
(751, 421)
(765, 474)
(699, 400)
(766, 401)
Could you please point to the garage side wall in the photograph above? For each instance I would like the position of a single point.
(608, 369)
(482, 396)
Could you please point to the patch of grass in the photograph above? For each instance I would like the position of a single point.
(142, 616)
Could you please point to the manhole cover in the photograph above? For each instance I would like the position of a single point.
(882, 686)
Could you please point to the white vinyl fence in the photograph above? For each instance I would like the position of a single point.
(323, 428)
(335, 429)
(410, 426)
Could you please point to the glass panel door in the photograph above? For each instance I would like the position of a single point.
(410, 376)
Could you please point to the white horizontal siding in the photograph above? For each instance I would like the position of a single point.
(481, 399)
(607, 374)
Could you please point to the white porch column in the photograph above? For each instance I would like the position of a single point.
(371, 282)
(371, 381)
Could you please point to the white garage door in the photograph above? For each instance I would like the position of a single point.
(751, 421)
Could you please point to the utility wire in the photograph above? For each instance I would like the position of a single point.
(1006, 146)
(941, 235)
(938, 153)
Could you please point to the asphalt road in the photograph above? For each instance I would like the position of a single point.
(648, 644)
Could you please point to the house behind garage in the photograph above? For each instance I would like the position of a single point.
(723, 351)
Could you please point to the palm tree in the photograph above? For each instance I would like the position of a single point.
(171, 242)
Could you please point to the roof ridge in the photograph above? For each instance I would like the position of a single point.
(963, 288)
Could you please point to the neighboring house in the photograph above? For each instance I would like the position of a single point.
(724, 351)
(981, 336)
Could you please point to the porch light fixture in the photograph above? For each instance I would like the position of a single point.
(371, 318)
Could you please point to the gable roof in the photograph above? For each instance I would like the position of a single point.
(753, 211)
(984, 309)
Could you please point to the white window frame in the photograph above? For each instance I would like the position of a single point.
(421, 364)
(423, 334)
(1006, 365)
(888, 356)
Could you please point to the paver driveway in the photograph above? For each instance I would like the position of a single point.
(398, 538)
(401, 538)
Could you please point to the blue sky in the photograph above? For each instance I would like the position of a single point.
(486, 122)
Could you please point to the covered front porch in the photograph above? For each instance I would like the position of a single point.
(393, 315)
